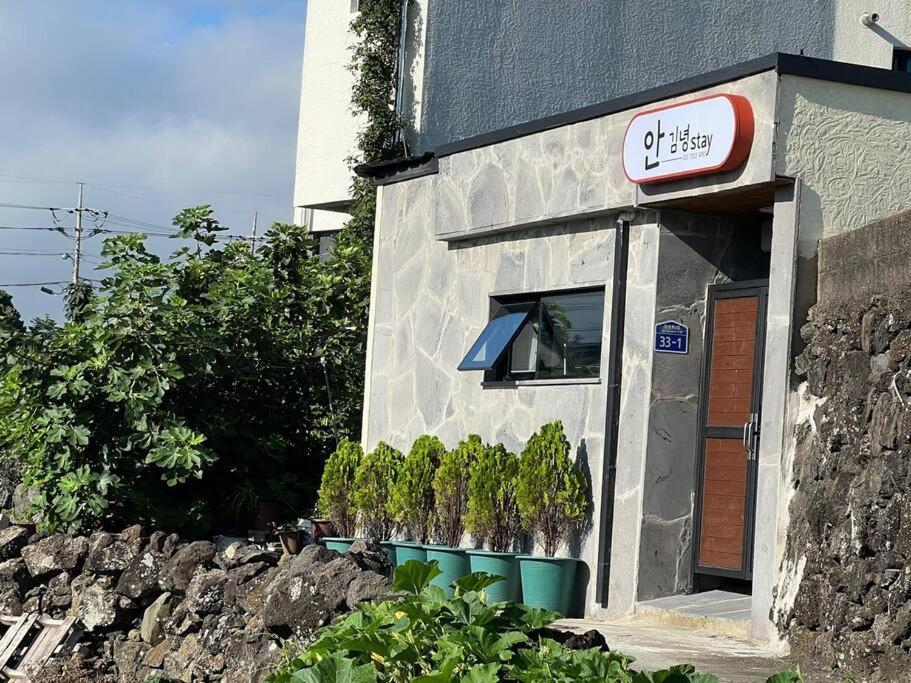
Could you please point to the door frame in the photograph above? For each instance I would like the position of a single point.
(732, 290)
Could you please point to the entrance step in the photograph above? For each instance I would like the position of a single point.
(658, 646)
(721, 612)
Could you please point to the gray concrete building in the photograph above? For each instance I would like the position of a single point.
(611, 216)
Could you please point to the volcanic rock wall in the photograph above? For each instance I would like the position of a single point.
(849, 543)
(154, 606)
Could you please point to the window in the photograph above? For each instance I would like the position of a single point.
(355, 6)
(544, 336)
(901, 60)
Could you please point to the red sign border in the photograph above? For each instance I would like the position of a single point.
(742, 143)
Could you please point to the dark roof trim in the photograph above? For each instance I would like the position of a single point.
(784, 64)
(398, 169)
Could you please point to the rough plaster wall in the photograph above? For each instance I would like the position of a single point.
(693, 252)
(576, 170)
(851, 148)
(430, 303)
(494, 64)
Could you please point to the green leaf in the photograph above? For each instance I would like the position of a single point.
(336, 669)
(415, 576)
(475, 582)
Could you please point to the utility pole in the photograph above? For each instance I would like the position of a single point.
(77, 252)
(253, 241)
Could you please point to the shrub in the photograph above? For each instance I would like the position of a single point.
(493, 513)
(450, 488)
(373, 483)
(552, 491)
(412, 502)
(423, 636)
(337, 487)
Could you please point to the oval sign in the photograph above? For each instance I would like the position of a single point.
(708, 135)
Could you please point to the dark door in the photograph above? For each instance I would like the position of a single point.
(729, 413)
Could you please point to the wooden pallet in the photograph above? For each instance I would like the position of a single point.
(31, 640)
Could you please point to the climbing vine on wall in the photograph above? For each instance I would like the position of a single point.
(374, 65)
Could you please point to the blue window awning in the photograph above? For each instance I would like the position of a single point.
(493, 342)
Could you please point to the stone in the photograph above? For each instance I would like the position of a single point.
(179, 570)
(206, 592)
(370, 556)
(54, 554)
(154, 619)
(181, 662)
(132, 534)
(238, 554)
(140, 577)
(59, 594)
(154, 658)
(245, 586)
(306, 594)
(95, 602)
(218, 629)
(183, 621)
(12, 540)
(129, 657)
(366, 587)
(108, 554)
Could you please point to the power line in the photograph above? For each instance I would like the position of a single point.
(29, 206)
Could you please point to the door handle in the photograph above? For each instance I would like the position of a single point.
(750, 433)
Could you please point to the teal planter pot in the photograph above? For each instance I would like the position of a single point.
(498, 564)
(547, 582)
(342, 545)
(453, 563)
(389, 548)
(405, 551)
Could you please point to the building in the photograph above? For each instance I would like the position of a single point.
(612, 216)
(328, 128)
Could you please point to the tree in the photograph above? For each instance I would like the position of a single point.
(552, 491)
(412, 501)
(187, 390)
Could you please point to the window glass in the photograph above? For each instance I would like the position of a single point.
(571, 330)
(493, 342)
(541, 337)
(525, 348)
(901, 60)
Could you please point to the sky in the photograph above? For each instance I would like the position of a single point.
(156, 106)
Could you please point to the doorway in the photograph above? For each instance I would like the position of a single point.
(729, 418)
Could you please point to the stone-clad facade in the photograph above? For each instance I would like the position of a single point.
(540, 210)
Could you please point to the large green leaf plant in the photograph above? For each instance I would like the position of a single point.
(425, 637)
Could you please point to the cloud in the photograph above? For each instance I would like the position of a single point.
(178, 94)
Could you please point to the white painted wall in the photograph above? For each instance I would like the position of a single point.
(327, 129)
(873, 46)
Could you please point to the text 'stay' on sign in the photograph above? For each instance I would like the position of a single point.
(708, 135)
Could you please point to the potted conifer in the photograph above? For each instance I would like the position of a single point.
(336, 494)
(373, 484)
(412, 502)
(493, 517)
(552, 498)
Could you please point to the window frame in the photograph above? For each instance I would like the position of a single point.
(501, 374)
(901, 60)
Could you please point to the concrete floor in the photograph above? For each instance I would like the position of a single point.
(658, 645)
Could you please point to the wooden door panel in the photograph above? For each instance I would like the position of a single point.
(733, 361)
(725, 520)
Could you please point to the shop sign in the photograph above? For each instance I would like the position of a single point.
(672, 337)
(708, 135)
